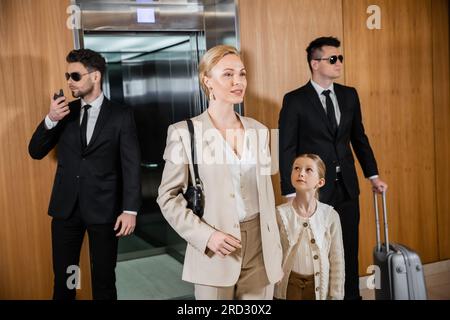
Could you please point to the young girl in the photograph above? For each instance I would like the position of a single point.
(311, 237)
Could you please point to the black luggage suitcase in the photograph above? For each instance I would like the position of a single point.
(401, 272)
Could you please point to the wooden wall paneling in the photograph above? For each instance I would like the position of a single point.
(441, 92)
(392, 70)
(35, 41)
(274, 35)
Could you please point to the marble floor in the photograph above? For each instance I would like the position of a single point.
(159, 278)
(152, 278)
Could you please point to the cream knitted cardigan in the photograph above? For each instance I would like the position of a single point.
(329, 269)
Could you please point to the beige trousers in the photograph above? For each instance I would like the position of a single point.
(252, 283)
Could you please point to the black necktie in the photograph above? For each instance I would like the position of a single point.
(83, 126)
(330, 111)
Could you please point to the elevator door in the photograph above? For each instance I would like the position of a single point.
(155, 74)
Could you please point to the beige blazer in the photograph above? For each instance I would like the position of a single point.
(202, 266)
(329, 269)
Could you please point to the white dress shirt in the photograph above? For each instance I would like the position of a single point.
(93, 113)
(319, 90)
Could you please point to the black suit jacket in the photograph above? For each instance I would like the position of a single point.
(304, 128)
(105, 176)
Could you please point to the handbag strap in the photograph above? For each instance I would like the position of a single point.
(193, 153)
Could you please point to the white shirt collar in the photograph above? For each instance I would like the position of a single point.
(319, 89)
(97, 103)
(293, 224)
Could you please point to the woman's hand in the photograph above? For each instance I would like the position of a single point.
(223, 244)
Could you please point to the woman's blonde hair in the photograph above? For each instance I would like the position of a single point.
(210, 59)
(321, 168)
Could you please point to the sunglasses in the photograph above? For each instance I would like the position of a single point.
(76, 76)
(332, 59)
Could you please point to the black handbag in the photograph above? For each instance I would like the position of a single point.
(194, 192)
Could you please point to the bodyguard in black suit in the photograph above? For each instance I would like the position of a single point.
(97, 181)
(324, 118)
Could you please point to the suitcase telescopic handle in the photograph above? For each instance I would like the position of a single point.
(377, 221)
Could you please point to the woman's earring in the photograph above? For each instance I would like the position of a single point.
(211, 95)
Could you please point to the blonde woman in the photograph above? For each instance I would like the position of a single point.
(311, 236)
(234, 249)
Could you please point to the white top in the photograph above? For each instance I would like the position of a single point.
(243, 176)
(303, 261)
(324, 237)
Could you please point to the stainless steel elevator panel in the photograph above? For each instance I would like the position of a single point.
(156, 74)
(152, 48)
(218, 20)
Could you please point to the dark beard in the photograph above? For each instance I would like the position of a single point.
(82, 94)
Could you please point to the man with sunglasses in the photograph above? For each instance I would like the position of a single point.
(324, 118)
(97, 182)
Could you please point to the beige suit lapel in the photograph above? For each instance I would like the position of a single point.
(209, 141)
